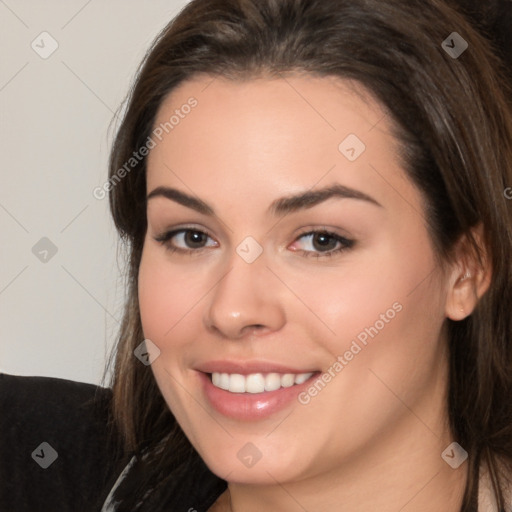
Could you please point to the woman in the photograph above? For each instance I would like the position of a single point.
(382, 127)
(315, 199)
(320, 240)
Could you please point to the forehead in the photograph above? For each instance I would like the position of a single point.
(253, 136)
(319, 101)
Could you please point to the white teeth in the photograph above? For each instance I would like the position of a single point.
(272, 381)
(257, 382)
(302, 377)
(236, 383)
(287, 380)
(224, 381)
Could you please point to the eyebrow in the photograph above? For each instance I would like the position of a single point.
(279, 207)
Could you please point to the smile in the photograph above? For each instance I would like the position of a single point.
(251, 392)
(257, 382)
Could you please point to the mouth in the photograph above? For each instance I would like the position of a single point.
(252, 391)
(257, 382)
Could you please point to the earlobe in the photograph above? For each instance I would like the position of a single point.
(461, 299)
(470, 278)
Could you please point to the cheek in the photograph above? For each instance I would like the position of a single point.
(153, 300)
(390, 313)
(366, 289)
(164, 297)
(165, 302)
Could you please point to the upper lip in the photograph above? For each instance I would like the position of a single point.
(248, 367)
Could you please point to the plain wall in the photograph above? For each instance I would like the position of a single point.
(59, 313)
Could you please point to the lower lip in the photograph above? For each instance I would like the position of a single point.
(251, 406)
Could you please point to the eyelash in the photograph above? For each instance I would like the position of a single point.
(346, 243)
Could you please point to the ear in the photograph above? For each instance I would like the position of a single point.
(469, 276)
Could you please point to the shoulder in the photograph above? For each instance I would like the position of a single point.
(15, 390)
(55, 447)
(36, 406)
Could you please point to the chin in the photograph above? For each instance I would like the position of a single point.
(254, 462)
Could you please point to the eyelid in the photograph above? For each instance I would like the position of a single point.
(323, 229)
(346, 242)
(167, 234)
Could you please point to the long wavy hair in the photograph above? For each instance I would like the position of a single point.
(455, 130)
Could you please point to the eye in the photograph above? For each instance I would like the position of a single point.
(326, 242)
(193, 238)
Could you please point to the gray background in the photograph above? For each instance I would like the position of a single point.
(59, 313)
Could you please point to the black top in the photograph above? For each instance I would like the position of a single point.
(56, 454)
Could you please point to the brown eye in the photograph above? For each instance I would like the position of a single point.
(194, 238)
(184, 240)
(324, 244)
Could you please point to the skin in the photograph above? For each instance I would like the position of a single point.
(372, 438)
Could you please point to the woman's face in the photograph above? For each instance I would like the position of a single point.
(262, 303)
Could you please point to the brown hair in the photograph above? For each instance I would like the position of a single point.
(455, 128)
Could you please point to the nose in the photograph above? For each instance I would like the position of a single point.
(245, 301)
